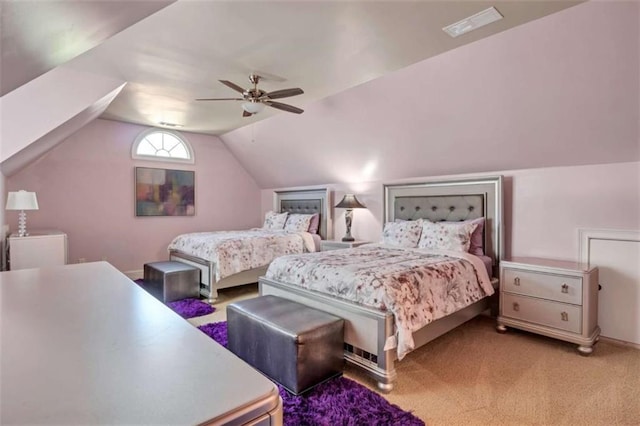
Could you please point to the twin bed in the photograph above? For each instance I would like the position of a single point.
(232, 258)
(381, 329)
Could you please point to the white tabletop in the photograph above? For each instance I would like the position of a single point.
(83, 344)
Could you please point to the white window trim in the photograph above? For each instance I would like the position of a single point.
(181, 138)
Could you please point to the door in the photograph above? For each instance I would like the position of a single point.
(617, 256)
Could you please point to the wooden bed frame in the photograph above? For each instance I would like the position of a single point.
(369, 332)
(305, 201)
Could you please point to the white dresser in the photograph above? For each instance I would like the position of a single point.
(38, 249)
(553, 298)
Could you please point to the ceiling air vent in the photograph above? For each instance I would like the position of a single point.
(164, 123)
(478, 20)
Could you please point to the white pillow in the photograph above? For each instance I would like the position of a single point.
(446, 235)
(402, 234)
(273, 220)
(298, 222)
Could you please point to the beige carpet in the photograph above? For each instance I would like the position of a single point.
(475, 376)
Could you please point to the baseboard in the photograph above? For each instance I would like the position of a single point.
(135, 275)
(620, 342)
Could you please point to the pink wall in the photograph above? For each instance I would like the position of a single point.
(85, 187)
(558, 91)
(544, 208)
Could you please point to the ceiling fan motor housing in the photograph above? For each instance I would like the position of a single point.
(253, 94)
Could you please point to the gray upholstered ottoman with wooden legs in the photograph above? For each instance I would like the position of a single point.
(295, 345)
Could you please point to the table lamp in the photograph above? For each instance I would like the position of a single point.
(349, 202)
(22, 200)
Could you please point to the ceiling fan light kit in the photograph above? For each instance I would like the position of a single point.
(253, 107)
(254, 99)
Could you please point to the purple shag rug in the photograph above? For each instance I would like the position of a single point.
(339, 401)
(187, 308)
(190, 308)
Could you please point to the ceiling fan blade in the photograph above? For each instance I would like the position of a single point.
(284, 107)
(220, 99)
(232, 85)
(246, 114)
(284, 93)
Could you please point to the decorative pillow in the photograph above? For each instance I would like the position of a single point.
(298, 223)
(273, 220)
(314, 225)
(402, 234)
(477, 237)
(446, 235)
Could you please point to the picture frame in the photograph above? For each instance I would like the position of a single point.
(164, 192)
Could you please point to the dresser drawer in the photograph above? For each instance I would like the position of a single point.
(544, 312)
(561, 288)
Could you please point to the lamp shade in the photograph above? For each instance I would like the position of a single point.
(349, 201)
(253, 107)
(22, 200)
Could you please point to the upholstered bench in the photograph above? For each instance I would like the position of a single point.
(295, 345)
(170, 281)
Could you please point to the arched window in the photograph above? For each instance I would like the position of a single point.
(162, 145)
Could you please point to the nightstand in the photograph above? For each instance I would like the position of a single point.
(326, 245)
(549, 297)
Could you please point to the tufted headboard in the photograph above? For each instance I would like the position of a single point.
(451, 208)
(307, 201)
(452, 200)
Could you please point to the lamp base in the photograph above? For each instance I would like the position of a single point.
(22, 224)
(348, 239)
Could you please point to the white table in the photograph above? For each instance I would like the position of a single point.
(83, 344)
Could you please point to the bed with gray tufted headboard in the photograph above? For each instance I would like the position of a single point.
(305, 201)
(368, 331)
(452, 201)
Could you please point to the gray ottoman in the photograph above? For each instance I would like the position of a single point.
(295, 345)
(170, 281)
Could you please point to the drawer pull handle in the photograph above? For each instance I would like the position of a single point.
(564, 316)
(516, 306)
(565, 288)
(516, 281)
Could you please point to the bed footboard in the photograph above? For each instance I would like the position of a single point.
(207, 273)
(208, 285)
(367, 330)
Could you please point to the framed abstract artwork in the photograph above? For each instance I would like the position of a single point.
(165, 192)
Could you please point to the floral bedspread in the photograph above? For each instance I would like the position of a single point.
(417, 286)
(237, 251)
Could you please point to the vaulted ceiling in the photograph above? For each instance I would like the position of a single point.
(172, 52)
(387, 93)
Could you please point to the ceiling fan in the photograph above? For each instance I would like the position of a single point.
(255, 99)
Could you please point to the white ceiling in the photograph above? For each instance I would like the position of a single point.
(173, 52)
